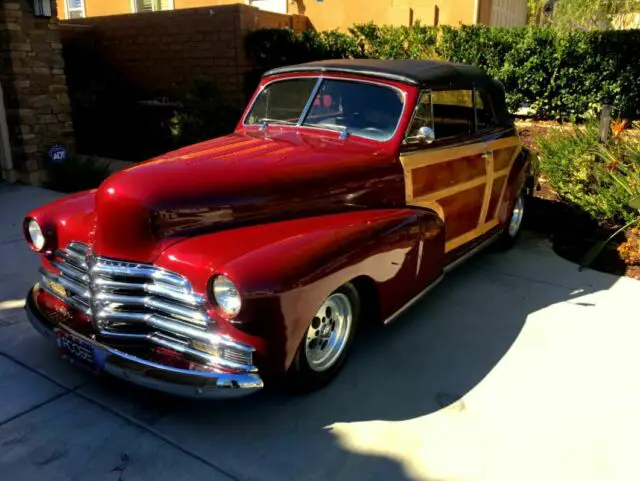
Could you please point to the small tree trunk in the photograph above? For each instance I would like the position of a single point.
(605, 123)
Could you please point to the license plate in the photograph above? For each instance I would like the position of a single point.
(77, 351)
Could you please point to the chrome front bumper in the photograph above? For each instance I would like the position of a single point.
(179, 382)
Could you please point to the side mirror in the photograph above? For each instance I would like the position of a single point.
(426, 135)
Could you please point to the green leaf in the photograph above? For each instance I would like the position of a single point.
(635, 203)
(595, 251)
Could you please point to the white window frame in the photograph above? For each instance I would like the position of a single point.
(68, 9)
(134, 6)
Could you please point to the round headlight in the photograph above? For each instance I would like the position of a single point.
(35, 235)
(226, 295)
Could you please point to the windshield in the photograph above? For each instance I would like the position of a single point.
(357, 108)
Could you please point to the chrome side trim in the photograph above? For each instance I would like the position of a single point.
(400, 311)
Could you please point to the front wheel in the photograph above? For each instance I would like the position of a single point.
(512, 232)
(326, 343)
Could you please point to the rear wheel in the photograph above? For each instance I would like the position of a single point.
(512, 232)
(326, 343)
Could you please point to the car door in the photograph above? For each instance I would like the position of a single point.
(459, 165)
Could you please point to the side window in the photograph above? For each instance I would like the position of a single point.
(484, 111)
(453, 113)
(422, 116)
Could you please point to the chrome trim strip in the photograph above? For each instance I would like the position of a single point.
(106, 270)
(400, 311)
(70, 270)
(74, 257)
(122, 335)
(74, 287)
(307, 106)
(183, 348)
(195, 316)
(108, 285)
(67, 300)
(179, 382)
(182, 296)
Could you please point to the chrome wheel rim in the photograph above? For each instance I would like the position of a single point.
(516, 216)
(328, 333)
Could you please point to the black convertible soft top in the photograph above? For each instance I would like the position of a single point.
(433, 74)
(415, 72)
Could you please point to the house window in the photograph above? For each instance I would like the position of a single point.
(152, 5)
(75, 8)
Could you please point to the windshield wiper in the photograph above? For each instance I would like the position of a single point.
(344, 131)
(265, 121)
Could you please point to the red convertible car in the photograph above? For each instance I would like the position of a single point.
(346, 191)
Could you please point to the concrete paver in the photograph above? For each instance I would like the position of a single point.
(22, 390)
(517, 366)
(71, 438)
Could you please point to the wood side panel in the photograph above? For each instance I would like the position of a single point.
(502, 158)
(496, 191)
(462, 211)
(464, 185)
(432, 178)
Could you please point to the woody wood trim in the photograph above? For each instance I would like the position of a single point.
(414, 160)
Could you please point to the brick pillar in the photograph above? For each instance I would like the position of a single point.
(35, 87)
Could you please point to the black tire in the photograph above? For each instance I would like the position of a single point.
(508, 239)
(301, 377)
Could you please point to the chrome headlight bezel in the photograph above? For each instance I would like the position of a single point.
(35, 235)
(226, 295)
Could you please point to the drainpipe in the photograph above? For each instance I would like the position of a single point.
(476, 12)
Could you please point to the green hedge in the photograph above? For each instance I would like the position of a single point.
(557, 74)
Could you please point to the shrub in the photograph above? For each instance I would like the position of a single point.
(382, 42)
(204, 114)
(76, 173)
(569, 161)
(621, 162)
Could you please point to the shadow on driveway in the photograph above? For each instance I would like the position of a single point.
(429, 359)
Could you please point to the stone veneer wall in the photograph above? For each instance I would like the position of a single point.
(34, 86)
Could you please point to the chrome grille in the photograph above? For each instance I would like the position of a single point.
(128, 300)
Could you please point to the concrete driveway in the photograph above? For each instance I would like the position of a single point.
(517, 367)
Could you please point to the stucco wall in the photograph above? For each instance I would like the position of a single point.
(96, 8)
(341, 14)
(330, 14)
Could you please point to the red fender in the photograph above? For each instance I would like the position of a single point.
(285, 270)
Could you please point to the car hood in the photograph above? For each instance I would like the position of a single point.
(239, 179)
